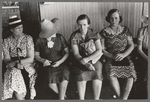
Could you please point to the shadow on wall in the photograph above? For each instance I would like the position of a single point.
(6, 32)
(32, 27)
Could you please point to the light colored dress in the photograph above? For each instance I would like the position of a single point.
(13, 79)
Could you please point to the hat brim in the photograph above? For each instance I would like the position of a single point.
(144, 19)
(48, 33)
(14, 25)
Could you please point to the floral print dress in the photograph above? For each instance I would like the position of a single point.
(116, 42)
(13, 79)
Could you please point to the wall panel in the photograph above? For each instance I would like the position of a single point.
(68, 12)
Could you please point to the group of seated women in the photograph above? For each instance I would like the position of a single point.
(86, 46)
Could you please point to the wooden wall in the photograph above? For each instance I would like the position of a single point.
(6, 12)
(68, 12)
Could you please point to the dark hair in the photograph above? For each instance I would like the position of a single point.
(84, 16)
(107, 18)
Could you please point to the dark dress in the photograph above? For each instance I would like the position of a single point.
(80, 71)
(142, 68)
(50, 74)
(117, 43)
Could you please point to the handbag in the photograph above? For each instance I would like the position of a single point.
(124, 62)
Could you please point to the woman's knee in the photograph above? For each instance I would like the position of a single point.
(98, 64)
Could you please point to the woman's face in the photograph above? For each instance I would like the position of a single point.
(17, 30)
(83, 25)
(114, 19)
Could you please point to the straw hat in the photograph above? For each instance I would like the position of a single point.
(49, 27)
(144, 19)
(14, 21)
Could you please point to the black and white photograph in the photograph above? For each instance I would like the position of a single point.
(74, 50)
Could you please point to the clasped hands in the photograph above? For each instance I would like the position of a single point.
(49, 63)
(119, 57)
(87, 64)
(14, 64)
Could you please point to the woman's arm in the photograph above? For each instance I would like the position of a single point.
(139, 48)
(6, 55)
(130, 48)
(139, 45)
(29, 58)
(106, 53)
(97, 53)
(57, 63)
(65, 56)
(76, 53)
(38, 57)
(8, 61)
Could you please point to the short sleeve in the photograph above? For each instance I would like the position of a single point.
(72, 40)
(128, 33)
(5, 47)
(101, 34)
(63, 41)
(37, 45)
(30, 44)
(97, 36)
(140, 35)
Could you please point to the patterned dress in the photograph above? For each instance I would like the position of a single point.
(13, 79)
(117, 43)
(49, 74)
(80, 71)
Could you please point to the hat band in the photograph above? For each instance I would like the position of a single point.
(14, 22)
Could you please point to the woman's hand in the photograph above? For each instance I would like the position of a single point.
(47, 63)
(19, 66)
(89, 66)
(11, 64)
(119, 57)
(55, 64)
(84, 61)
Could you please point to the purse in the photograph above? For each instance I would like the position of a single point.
(124, 62)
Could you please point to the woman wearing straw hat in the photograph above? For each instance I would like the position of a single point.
(52, 51)
(143, 58)
(18, 61)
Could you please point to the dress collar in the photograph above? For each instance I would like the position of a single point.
(78, 35)
(110, 31)
(50, 38)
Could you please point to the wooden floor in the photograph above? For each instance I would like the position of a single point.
(107, 92)
(72, 93)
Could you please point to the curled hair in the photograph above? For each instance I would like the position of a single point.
(83, 16)
(107, 18)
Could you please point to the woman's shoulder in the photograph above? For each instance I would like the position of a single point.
(92, 30)
(75, 35)
(7, 39)
(27, 36)
(105, 29)
(92, 33)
